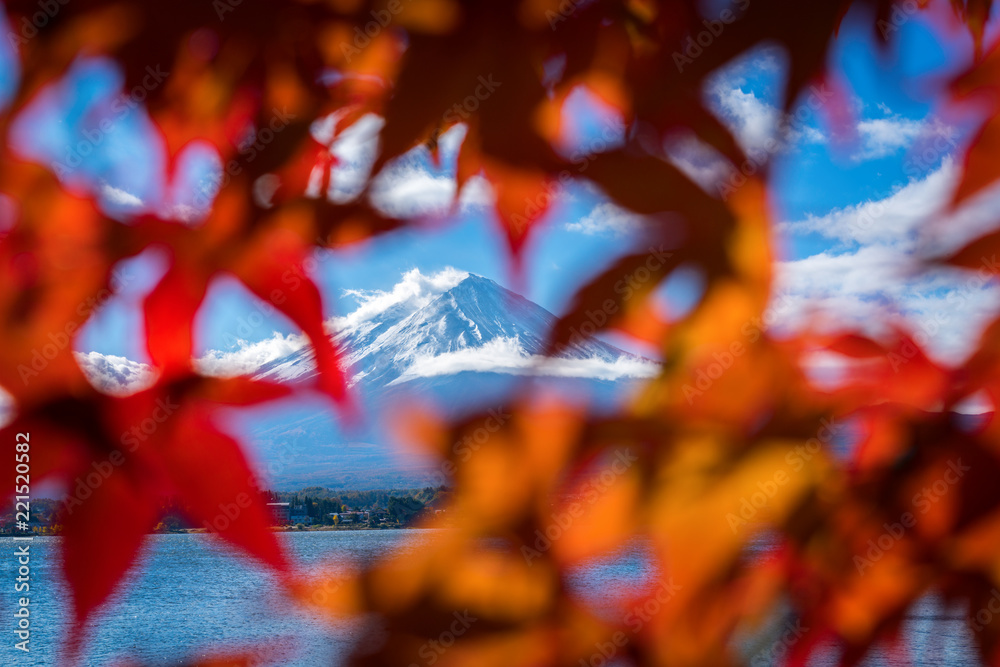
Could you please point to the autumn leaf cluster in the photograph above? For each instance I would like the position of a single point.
(685, 457)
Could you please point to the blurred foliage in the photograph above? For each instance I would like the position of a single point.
(698, 474)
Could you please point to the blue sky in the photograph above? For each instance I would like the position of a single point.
(849, 206)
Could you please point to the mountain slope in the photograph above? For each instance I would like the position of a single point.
(477, 325)
(471, 345)
(455, 341)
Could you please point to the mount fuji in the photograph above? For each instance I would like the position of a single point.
(475, 326)
(454, 341)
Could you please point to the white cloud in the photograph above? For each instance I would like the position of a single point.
(185, 213)
(477, 193)
(892, 220)
(751, 119)
(120, 376)
(870, 289)
(699, 161)
(915, 218)
(886, 136)
(115, 375)
(250, 356)
(8, 408)
(881, 278)
(119, 198)
(410, 191)
(507, 356)
(755, 120)
(414, 291)
(606, 218)
(405, 187)
(356, 149)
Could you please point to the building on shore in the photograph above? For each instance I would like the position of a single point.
(281, 513)
(299, 515)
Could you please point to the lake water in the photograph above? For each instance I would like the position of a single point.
(191, 594)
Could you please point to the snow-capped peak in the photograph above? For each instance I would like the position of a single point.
(473, 325)
(431, 325)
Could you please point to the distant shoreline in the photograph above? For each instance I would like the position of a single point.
(274, 529)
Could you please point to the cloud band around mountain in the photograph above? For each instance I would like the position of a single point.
(507, 356)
